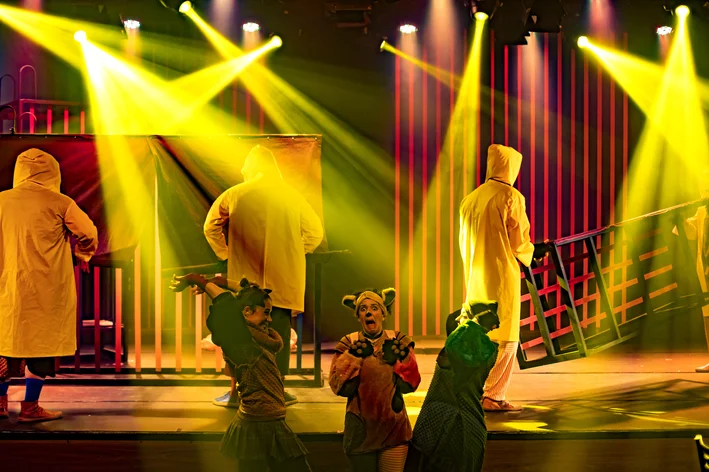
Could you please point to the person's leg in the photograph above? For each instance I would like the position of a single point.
(251, 466)
(296, 464)
(282, 324)
(363, 462)
(499, 379)
(231, 398)
(36, 371)
(393, 459)
(705, 368)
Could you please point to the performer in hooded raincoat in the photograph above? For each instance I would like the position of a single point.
(37, 288)
(271, 229)
(494, 235)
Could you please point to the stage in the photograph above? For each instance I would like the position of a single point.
(614, 411)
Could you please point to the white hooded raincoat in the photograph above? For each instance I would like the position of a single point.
(37, 288)
(494, 235)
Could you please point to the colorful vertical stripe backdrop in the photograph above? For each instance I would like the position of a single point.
(562, 111)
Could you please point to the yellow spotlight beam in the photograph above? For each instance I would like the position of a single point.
(673, 148)
(436, 72)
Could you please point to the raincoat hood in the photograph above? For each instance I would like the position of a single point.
(503, 163)
(39, 167)
(260, 161)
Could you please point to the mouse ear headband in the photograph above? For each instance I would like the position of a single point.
(385, 299)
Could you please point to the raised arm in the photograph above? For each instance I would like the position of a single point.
(345, 367)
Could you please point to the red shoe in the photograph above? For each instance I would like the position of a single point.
(3, 407)
(31, 412)
(491, 405)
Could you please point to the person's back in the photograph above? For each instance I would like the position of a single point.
(265, 236)
(36, 270)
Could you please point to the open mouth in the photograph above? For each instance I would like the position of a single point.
(370, 323)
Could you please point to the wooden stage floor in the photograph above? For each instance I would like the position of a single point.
(655, 399)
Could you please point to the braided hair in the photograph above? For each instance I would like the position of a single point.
(251, 295)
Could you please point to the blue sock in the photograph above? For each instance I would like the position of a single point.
(3, 388)
(33, 387)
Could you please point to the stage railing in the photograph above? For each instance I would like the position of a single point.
(593, 288)
(119, 333)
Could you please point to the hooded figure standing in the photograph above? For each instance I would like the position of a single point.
(494, 235)
(271, 228)
(697, 229)
(37, 288)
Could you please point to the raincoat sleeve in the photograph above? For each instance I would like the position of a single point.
(214, 225)
(81, 226)
(518, 231)
(310, 228)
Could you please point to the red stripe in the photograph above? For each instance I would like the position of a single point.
(397, 187)
(118, 322)
(507, 96)
(532, 143)
(424, 203)
(519, 108)
(49, 120)
(599, 167)
(412, 171)
(97, 319)
(559, 150)
(451, 172)
(492, 87)
(572, 157)
(586, 164)
(625, 175)
(546, 137)
(438, 198)
(82, 122)
(66, 121)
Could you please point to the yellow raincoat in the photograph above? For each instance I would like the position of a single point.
(271, 228)
(37, 289)
(494, 235)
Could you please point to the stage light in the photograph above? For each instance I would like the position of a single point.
(131, 24)
(185, 7)
(682, 11)
(583, 42)
(251, 27)
(276, 41)
(481, 16)
(546, 16)
(664, 30)
(383, 45)
(408, 29)
(80, 36)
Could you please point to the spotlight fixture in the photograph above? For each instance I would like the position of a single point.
(481, 16)
(80, 36)
(177, 5)
(486, 7)
(408, 29)
(251, 27)
(583, 42)
(546, 16)
(131, 24)
(682, 11)
(511, 23)
(383, 45)
(276, 41)
(664, 30)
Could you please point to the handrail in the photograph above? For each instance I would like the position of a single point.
(14, 117)
(14, 87)
(607, 229)
(34, 71)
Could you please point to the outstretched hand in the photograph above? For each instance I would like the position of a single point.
(179, 283)
(362, 349)
(541, 250)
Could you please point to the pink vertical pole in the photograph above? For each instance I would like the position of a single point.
(66, 121)
(178, 331)
(79, 320)
(97, 318)
(118, 320)
(49, 120)
(32, 120)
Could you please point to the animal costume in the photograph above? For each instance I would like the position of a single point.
(373, 372)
